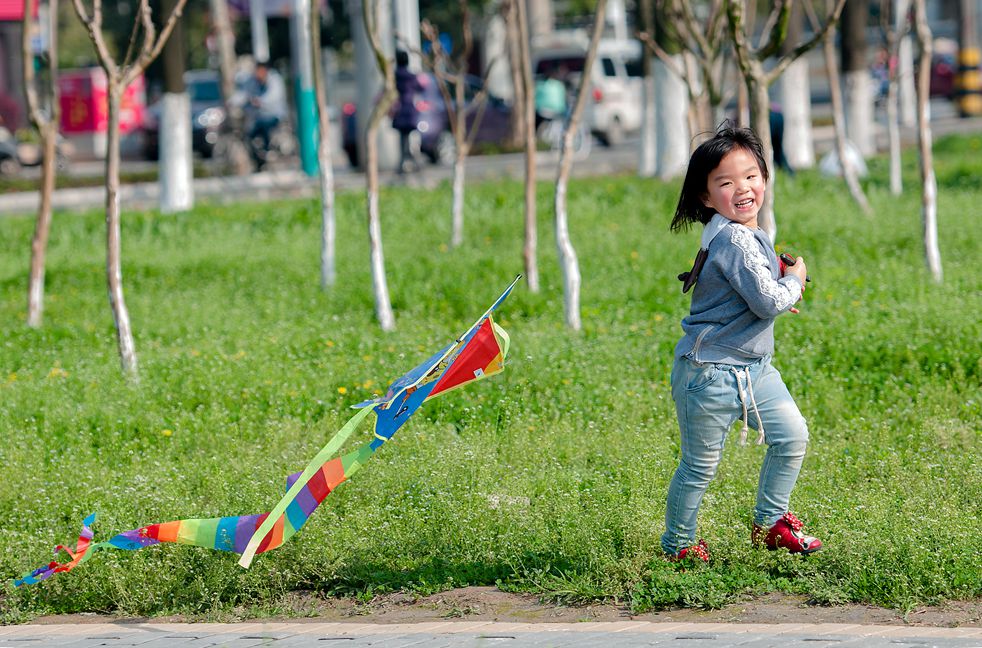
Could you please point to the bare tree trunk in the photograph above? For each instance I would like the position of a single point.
(383, 306)
(564, 245)
(513, 33)
(799, 149)
(457, 211)
(894, 23)
(324, 162)
(743, 106)
(929, 184)
(760, 113)
(893, 132)
(454, 70)
(42, 228)
(845, 161)
(529, 250)
(234, 149)
(47, 127)
(647, 157)
(648, 153)
(905, 75)
(114, 271)
(140, 53)
(856, 75)
(673, 111)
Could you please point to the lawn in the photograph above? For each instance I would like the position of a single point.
(550, 478)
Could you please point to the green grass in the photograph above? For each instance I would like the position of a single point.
(247, 368)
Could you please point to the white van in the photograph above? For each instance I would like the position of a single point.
(616, 93)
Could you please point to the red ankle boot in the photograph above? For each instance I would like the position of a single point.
(786, 533)
(696, 552)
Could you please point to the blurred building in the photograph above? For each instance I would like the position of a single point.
(12, 108)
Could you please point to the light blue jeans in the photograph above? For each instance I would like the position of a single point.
(708, 402)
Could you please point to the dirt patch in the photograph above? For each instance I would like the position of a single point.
(491, 604)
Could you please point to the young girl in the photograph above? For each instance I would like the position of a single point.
(722, 368)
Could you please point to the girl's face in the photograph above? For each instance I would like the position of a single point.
(735, 188)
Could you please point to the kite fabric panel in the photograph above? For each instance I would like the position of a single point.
(479, 353)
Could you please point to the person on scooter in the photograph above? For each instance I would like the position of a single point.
(267, 98)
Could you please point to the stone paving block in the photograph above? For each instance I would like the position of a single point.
(421, 640)
(298, 640)
(250, 641)
(780, 641)
(832, 629)
(73, 641)
(476, 627)
(590, 640)
(165, 640)
(663, 627)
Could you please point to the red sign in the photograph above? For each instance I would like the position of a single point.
(85, 104)
(14, 9)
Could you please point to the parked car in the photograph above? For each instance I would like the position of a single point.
(436, 137)
(615, 79)
(204, 88)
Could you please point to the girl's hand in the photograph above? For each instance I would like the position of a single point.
(798, 269)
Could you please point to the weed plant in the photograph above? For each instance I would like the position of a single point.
(550, 478)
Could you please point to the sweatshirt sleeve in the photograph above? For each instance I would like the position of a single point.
(750, 275)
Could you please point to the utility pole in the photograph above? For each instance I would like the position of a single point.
(176, 172)
(260, 36)
(406, 21)
(303, 85)
(541, 19)
(369, 79)
(969, 82)
(616, 17)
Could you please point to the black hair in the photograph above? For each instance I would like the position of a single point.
(705, 158)
(402, 58)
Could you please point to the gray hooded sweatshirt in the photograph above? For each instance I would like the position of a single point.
(736, 298)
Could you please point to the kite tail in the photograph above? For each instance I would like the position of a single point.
(78, 555)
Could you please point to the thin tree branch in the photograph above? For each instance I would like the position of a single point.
(813, 21)
(132, 45)
(779, 19)
(830, 20)
(30, 91)
(93, 25)
(693, 30)
(151, 53)
(662, 55)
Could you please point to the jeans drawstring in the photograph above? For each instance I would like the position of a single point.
(741, 373)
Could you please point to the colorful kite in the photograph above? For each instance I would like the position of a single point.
(478, 353)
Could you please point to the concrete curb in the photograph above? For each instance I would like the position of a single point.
(199, 630)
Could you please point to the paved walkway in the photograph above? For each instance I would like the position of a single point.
(623, 634)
